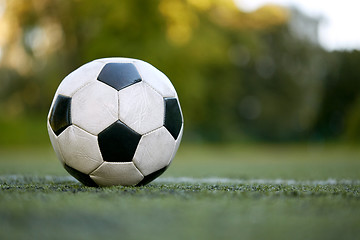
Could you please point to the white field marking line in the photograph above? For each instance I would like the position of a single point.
(190, 180)
(216, 180)
(57, 179)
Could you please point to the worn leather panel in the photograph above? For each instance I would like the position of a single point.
(177, 143)
(80, 149)
(154, 151)
(141, 108)
(54, 143)
(82, 76)
(156, 79)
(94, 107)
(110, 173)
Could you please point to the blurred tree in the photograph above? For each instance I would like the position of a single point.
(282, 87)
(339, 113)
(42, 41)
(352, 122)
(236, 73)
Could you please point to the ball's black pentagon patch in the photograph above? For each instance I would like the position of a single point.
(147, 179)
(119, 75)
(82, 177)
(118, 143)
(60, 117)
(173, 118)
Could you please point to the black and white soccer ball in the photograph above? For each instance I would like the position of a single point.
(115, 121)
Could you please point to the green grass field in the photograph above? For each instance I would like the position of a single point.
(209, 192)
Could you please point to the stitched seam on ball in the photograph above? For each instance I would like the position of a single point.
(145, 134)
(82, 87)
(96, 168)
(118, 106)
(84, 130)
(137, 168)
(62, 156)
(91, 82)
(142, 80)
(58, 145)
(153, 89)
(146, 81)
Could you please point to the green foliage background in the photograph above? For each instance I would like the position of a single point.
(240, 76)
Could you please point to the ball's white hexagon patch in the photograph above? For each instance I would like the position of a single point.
(94, 107)
(80, 149)
(155, 79)
(141, 108)
(154, 151)
(110, 173)
(55, 143)
(79, 78)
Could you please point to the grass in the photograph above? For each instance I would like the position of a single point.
(231, 192)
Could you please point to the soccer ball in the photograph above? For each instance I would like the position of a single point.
(115, 121)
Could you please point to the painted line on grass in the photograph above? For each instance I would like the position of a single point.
(30, 178)
(216, 180)
(188, 180)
